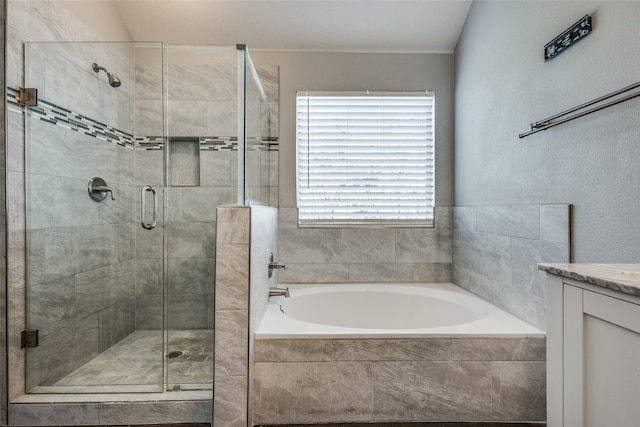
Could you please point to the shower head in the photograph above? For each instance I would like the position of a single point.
(113, 80)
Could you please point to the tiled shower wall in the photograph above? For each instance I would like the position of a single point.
(365, 254)
(496, 250)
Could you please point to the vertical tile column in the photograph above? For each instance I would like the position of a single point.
(232, 316)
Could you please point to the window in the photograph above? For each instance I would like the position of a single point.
(365, 159)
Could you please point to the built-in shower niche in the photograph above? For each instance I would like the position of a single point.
(184, 161)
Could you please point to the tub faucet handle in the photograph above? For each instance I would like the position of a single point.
(274, 265)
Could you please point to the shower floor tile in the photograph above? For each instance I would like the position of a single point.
(138, 360)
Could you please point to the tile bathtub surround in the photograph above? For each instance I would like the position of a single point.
(364, 254)
(496, 250)
(401, 380)
(414, 424)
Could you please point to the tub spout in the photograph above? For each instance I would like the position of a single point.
(278, 292)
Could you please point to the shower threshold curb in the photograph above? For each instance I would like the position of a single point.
(114, 397)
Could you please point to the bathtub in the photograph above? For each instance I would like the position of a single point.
(377, 310)
(367, 353)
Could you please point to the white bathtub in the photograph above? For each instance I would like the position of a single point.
(397, 310)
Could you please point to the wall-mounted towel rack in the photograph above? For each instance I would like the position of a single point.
(564, 117)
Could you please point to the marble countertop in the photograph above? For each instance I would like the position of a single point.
(623, 278)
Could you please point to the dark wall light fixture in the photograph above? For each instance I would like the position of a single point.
(568, 38)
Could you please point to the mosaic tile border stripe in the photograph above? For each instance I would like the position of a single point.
(60, 116)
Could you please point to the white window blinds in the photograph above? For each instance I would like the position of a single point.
(365, 158)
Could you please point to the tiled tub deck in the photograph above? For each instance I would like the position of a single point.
(398, 380)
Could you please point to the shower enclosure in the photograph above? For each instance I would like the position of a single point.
(129, 150)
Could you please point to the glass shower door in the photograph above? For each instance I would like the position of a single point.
(94, 170)
(202, 117)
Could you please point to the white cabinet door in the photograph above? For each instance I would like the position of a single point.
(601, 360)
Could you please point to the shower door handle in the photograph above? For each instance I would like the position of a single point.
(143, 207)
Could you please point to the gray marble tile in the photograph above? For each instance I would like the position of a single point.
(99, 288)
(15, 144)
(431, 391)
(464, 218)
(486, 254)
(518, 391)
(149, 312)
(191, 240)
(264, 222)
(115, 322)
(517, 221)
(423, 245)
(16, 207)
(230, 401)
(274, 169)
(191, 276)
(215, 169)
(312, 392)
(222, 118)
(205, 75)
(149, 168)
(555, 223)
(149, 243)
(76, 155)
(148, 111)
(174, 203)
(72, 250)
(293, 350)
(187, 311)
(116, 413)
(287, 217)
(269, 78)
(310, 273)
(149, 276)
(394, 272)
(71, 346)
(302, 246)
(199, 203)
(264, 236)
(16, 260)
(360, 246)
(232, 276)
(234, 224)
(126, 241)
(473, 282)
(529, 281)
(64, 202)
(231, 347)
(52, 305)
(440, 349)
(187, 118)
(50, 414)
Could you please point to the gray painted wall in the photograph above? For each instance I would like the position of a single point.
(503, 84)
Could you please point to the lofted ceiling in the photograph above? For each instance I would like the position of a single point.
(312, 25)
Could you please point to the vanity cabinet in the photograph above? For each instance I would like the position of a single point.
(593, 355)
